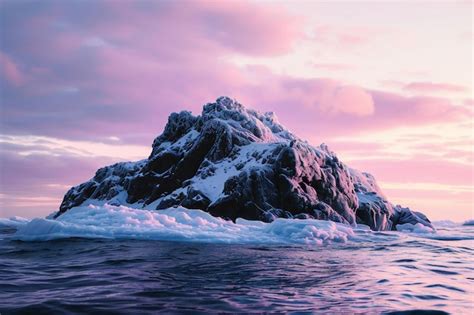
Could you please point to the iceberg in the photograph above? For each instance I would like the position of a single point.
(233, 162)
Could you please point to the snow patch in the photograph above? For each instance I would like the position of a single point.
(414, 228)
(365, 183)
(212, 185)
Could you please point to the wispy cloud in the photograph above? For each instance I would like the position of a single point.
(428, 87)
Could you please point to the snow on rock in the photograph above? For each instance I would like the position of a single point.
(234, 162)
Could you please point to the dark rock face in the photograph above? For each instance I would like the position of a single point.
(234, 162)
(403, 215)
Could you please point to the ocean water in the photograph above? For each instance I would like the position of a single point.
(177, 263)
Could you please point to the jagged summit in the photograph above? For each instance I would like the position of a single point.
(236, 162)
(225, 116)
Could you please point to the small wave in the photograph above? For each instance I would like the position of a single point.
(451, 288)
(444, 272)
(423, 296)
(404, 260)
(418, 312)
(451, 237)
(468, 222)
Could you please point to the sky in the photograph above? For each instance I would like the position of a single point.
(387, 85)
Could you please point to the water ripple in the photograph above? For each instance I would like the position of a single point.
(405, 274)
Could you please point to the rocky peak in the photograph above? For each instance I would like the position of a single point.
(264, 127)
(236, 162)
(226, 120)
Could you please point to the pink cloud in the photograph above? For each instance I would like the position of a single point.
(249, 28)
(142, 71)
(173, 29)
(9, 70)
(30, 190)
(351, 100)
(437, 204)
(428, 184)
(469, 102)
(332, 66)
(319, 96)
(140, 63)
(350, 39)
(427, 87)
(344, 37)
(418, 168)
(310, 107)
(348, 147)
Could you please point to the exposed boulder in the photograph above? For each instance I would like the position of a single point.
(402, 215)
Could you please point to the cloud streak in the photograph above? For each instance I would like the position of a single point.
(429, 87)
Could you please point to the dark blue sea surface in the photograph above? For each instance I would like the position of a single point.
(393, 272)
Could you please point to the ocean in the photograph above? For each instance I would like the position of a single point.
(140, 272)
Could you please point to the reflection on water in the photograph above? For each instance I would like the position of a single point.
(380, 273)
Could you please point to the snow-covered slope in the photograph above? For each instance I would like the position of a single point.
(234, 163)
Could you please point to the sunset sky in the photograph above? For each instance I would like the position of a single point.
(387, 85)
